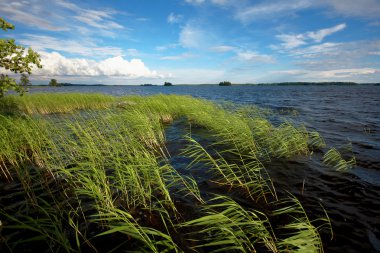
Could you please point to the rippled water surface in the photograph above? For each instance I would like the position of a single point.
(343, 115)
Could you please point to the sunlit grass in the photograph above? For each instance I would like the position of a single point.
(93, 166)
(55, 103)
(334, 159)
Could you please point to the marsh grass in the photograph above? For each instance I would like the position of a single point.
(54, 103)
(96, 167)
(334, 159)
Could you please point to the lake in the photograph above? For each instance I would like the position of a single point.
(343, 115)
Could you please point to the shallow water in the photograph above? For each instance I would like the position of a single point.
(342, 114)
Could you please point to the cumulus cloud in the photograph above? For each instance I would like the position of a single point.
(55, 64)
(290, 41)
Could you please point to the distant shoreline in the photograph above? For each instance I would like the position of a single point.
(237, 84)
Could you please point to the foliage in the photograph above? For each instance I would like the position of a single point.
(15, 59)
(53, 83)
(24, 80)
(225, 83)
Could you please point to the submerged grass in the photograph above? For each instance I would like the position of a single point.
(100, 173)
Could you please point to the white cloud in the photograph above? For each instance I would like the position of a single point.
(356, 8)
(132, 52)
(197, 75)
(101, 19)
(97, 19)
(223, 49)
(142, 19)
(191, 37)
(59, 15)
(254, 57)
(316, 50)
(89, 49)
(328, 75)
(55, 64)
(166, 47)
(348, 73)
(270, 9)
(177, 57)
(327, 56)
(195, 1)
(290, 41)
(173, 18)
(318, 36)
(20, 11)
(223, 2)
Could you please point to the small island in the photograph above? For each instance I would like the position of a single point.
(168, 84)
(225, 83)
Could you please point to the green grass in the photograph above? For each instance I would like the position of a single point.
(54, 103)
(89, 169)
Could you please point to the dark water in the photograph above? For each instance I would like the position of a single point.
(342, 115)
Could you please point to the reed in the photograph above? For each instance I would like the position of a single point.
(299, 235)
(56, 103)
(92, 167)
(226, 226)
(334, 159)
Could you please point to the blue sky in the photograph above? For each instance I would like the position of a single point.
(199, 41)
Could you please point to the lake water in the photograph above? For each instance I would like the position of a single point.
(342, 115)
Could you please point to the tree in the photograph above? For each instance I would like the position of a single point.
(225, 83)
(15, 59)
(53, 83)
(24, 80)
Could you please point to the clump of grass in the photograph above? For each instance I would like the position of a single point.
(107, 164)
(299, 235)
(226, 226)
(245, 174)
(334, 159)
(56, 103)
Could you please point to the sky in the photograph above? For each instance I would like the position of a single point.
(131, 42)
